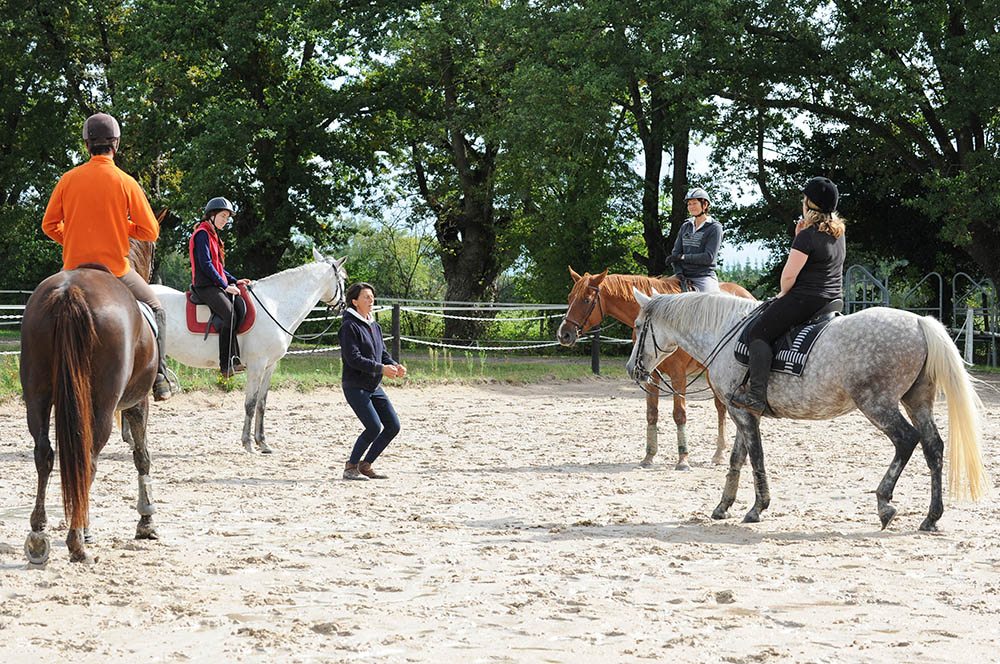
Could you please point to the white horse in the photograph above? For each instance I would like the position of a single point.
(872, 360)
(281, 299)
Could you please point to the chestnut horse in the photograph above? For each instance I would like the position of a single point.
(86, 353)
(595, 296)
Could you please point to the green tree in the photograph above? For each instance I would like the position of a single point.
(240, 100)
(896, 92)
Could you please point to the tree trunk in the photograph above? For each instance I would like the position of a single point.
(471, 263)
(652, 146)
(679, 186)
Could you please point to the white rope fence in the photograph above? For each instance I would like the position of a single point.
(434, 309)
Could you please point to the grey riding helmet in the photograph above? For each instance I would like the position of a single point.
(698, 192)
(101, 129)
(219, 203)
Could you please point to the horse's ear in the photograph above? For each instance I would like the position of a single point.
(572, 273)
(339, 263)
(598, 278)
(318, 257)
(655, 292)
(640, 297)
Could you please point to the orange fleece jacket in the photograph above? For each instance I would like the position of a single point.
(93, 211)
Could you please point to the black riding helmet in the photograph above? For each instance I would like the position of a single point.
(822, 192)
(219, 203)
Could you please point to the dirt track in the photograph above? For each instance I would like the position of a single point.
(515, 527)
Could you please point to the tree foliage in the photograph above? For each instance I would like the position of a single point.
(479, 139)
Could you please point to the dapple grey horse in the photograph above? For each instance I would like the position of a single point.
(871, 360)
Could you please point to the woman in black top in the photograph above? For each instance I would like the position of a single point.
(812, 277)
(366, 361)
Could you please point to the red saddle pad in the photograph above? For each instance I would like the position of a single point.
(198, 326)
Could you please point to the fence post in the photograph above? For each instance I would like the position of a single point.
(968, 337)
(595, 354)
(395, 332)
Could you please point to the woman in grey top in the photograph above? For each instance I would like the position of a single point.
(697, 245)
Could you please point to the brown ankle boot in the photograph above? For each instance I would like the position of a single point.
(161, 388)
(365, 468)
(351, 472)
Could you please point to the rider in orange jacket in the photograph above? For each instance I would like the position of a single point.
(94, 210)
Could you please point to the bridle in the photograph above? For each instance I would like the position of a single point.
(663, 386)
(640, 344)
(596, 302)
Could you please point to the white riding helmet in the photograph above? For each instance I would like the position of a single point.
(698, 192)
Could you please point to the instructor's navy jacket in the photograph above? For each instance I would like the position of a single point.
(363, 352)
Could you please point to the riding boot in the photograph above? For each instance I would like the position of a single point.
(161, 386)
(754, 396)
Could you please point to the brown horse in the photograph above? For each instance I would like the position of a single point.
(595, 296)
(86, 352)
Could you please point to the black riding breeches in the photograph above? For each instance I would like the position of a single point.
(783, 314)
(221, 304)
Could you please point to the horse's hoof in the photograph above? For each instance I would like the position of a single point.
(683, 465)
(929, 526)
(886, 514)
(84, 558)
(248, 446)
(719, 460)
(720, 514)
(37, 547)
(264, 449)
(647, 462)
(146, 531)
(753, 516)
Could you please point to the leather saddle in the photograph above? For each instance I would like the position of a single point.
(791, 350)
(201, 319)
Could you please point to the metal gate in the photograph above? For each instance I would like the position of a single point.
(974, 311)
(862, 289)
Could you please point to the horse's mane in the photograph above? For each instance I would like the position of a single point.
(297, 268)
(620, 285)
(704, 311)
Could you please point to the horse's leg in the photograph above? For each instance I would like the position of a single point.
(749, 426)
(678, 381)
(904, 437)
(249, 406)
(736, 461)
(38, 544)
(78, 538)
(265, 384)
(919, 404)
(719, 457)
(652, 416)
(137, 417)
(127, 435)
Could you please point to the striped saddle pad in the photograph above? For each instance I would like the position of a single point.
(791, 350)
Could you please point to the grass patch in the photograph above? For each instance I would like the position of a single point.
(308, 372)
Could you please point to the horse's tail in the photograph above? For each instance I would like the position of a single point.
(966, 474)
(73, 343)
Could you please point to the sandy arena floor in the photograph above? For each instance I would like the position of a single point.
(515, 527)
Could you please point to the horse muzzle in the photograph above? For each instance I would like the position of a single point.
(566, 334)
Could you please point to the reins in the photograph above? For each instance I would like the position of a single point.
(338, 308)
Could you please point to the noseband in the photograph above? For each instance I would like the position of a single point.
(593, 303)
